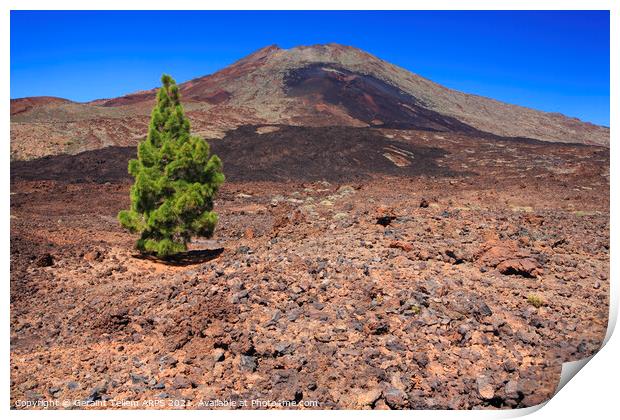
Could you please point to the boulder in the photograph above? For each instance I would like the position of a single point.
(508, 258)
(368, 398)
(526, 267)
(401, 245)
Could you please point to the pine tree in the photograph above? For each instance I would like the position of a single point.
(176, 179)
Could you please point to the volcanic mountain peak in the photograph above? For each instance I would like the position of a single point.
(261, 53)
(260, 83)
(316, 85)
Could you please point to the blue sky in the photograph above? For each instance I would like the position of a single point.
(553, 61)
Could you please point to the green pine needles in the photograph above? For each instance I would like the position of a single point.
(176, 179)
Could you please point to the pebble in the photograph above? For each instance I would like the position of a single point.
(247, 363)
(485, 388)
(218, 355)
(395, 398)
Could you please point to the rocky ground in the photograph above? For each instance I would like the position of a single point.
(463, 285)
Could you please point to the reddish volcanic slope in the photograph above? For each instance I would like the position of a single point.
(25, 104)
(321, 85)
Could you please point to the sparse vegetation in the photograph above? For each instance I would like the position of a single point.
(535, 300)
(415, 310)
(176, 179)
(582, 213)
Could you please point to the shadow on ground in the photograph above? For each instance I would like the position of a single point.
(198, 256)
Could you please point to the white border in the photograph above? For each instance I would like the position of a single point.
(593, 395)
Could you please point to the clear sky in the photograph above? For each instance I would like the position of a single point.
(553, 61)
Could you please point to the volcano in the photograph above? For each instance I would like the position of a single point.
(320, 85)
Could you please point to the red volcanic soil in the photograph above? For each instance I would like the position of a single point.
(130, 99)
(458, 272)
(24, 104)
(212, 96)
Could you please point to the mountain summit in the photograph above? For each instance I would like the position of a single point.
(319, 85)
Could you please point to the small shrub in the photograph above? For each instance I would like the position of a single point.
(535, 300)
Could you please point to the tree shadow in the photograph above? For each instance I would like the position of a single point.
(198, 256)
